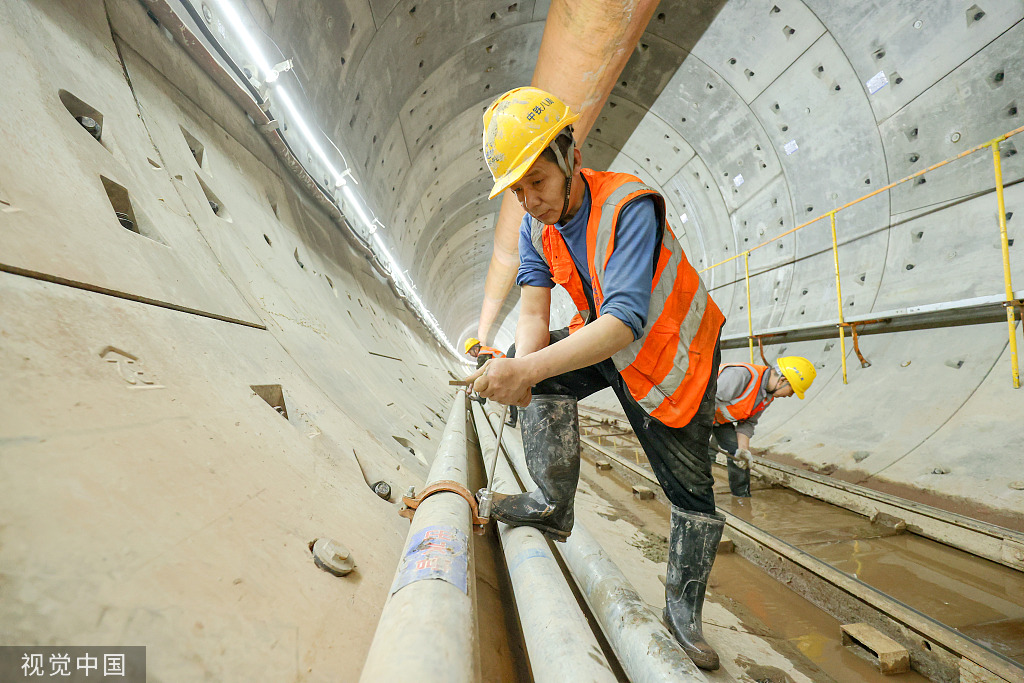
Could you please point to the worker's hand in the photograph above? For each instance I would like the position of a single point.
(504, 380)
(742, 458)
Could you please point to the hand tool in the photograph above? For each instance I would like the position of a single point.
(484, 496)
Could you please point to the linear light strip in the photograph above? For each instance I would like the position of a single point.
(352, 199)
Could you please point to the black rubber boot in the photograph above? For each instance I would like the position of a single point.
(739, 480)
(691, 552)
(551, 441)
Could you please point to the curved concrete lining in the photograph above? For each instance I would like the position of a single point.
(183, 504)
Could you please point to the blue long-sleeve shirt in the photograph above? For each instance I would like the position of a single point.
(630, 270)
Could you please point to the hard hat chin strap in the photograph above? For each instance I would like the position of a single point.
(779, 377)
(564, 147)
(565, 204)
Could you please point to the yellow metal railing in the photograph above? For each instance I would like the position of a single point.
(1009, 303)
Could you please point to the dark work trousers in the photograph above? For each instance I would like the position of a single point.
(739, 478)
(679, 456)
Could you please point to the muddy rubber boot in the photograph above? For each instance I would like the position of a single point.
(739, 480)
(551, 441)
(691, 552)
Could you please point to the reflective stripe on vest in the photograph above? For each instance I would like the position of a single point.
(743, 407)
(667, 369)
(494, 353)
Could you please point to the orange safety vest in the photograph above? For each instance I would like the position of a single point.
(743, 407)
(668, 367)
(487, 350)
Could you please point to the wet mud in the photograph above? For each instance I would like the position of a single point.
(653, 546)
(763, 674)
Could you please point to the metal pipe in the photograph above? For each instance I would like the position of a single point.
(839, 293)
(583, 50)
(427, 629)
(750, 317)
(486, 496)
(998, 165)
(643, 645)
(559, 640)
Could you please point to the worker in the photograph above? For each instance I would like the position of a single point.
(646, 327)
(744, 392)
(483, 354)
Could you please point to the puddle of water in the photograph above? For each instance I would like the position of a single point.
(1005, 636)
(944, 583)
(982, 599)
(776, 610)
(973, 595)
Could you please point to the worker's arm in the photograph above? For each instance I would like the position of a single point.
(744, 430)
(742, 441)
(508, 380)
(624, 312)
(532, 333)
(590, 344)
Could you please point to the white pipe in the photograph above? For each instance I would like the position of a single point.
(427, 630)
(559, 640)
(645, 648)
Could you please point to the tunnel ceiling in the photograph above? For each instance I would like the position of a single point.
(749, 116)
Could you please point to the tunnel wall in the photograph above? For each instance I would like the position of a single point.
(704, 111)
(149, 494)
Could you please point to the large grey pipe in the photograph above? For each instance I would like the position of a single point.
(559, 640)
(427, 630)
(646, 650)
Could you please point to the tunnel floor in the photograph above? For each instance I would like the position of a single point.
(981, 599)
(762, 630)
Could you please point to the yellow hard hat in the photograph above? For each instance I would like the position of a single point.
(799, 371)
(518, 127)
(470, 343)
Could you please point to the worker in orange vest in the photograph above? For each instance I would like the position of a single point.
(483, 354)
(645, 327)
(744, 392)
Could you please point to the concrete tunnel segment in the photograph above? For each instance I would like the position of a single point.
(129, 353)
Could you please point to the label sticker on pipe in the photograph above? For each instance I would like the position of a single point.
(440, 552)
